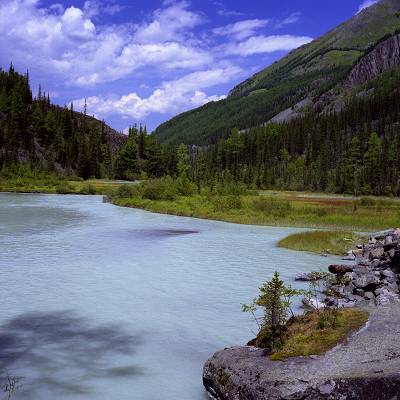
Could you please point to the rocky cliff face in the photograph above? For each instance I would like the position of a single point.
(384, 56)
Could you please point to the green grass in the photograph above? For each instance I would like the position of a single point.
(314, 333)
(328, 242)
(282, 209)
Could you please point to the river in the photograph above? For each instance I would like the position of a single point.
(102, 302)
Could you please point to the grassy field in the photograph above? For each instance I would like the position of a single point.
(45, 183)
(325, 242)
(314, 333)
(328, 212)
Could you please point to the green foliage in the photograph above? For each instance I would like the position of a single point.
(275, 300)
(226, 203)
(306, 72)
(48, 137)
(160, 189)
(64, 188)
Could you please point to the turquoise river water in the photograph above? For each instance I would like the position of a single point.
(109, 303)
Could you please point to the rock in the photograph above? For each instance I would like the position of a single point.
(327, 388)
(305, 277)
(388, 240)
(385, 297)
(392, 287)
(387, 273)
(366, 280)
(340, 269)
(313, 304)
(359, 292)
(376, 253)
(349, 256)
(363, 261)
(382, 234)
(369, 296)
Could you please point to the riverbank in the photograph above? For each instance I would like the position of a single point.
(366, 367)
(362, 366)
(341, 215)
(330, 212)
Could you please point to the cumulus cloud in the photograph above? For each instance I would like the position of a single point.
(366, 4)
(173, 96)
(242, 29)
(67, 41)
(266, 44)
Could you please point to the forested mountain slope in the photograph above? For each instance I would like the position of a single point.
(49, 137)
(307, 73)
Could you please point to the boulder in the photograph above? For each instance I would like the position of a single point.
(376, 253)
(369, 296)
(366, 280)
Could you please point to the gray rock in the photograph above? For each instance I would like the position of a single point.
(387, 273)
(386, 298)
(388, 240)
(366, 280)
(369, 296)
(392, 287)
(376, 253)
(359, 292)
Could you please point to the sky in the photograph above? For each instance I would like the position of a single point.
(144, 61)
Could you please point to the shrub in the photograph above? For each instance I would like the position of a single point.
(223, 203)
(160, 189)
(184, 186)
(63, 188)
(126, 190)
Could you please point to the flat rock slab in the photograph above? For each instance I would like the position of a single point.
(366, 367)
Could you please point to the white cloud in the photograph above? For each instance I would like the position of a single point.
(67, 41)
(266, 44)
(171, 23)
(173, 96)
(366, 4)
(291, 19)
(242, 29)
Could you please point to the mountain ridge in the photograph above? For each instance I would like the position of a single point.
(312, 69)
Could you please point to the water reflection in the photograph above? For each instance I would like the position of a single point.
(62, 352)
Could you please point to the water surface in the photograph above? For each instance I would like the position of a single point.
(101, 302)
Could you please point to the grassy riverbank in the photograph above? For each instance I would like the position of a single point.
(323, 242)
(314, 333)
(334, 213)
(342, 215)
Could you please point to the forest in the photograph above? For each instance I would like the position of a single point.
(355, 150)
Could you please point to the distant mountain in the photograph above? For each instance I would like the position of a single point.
(316, 77)
(45, 136)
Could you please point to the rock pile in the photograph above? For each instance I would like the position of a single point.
(374, 277)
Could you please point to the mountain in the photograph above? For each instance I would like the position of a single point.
(315, 77)
(45, 136)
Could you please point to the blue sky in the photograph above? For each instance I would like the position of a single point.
(144, 61)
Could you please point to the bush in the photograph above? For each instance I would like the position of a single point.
(184, 186)
(63, 188)
(223, 203)
(126, 191)
(160, 189)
